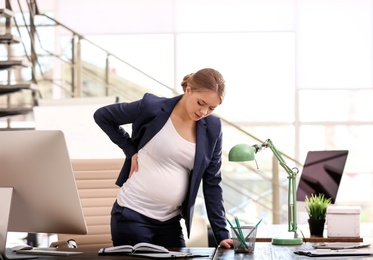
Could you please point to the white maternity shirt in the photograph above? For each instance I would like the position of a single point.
(160, 185)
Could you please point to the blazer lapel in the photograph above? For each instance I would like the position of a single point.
(159, 121)
(201, 147)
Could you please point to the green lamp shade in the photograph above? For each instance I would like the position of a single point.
(241, 153)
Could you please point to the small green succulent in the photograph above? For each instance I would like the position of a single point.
(317, 205)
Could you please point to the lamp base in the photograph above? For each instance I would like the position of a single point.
(287, 241)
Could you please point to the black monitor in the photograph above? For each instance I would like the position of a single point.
(322, 173)
(38, 192)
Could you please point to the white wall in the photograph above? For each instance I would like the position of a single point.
(169, 16)
(84, 139)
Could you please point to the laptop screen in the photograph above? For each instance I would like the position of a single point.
(322, 173)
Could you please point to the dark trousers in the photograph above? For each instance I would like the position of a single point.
(129, 227)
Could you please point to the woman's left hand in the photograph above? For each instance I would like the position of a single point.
(227, 243)
(134, 165)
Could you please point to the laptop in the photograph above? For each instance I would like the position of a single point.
(322, 173)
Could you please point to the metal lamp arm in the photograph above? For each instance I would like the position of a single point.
(292, 201)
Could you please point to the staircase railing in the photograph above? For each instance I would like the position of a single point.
(76, 54)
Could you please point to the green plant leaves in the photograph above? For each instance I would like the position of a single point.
(317, 205)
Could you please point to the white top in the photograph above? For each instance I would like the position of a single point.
(160, 185)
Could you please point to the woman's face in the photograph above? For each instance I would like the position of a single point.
(200, 104)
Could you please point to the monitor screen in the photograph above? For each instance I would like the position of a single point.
(35, 166)
(322, 173)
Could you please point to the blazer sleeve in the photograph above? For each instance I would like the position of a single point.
(213, 192)
(111, 118)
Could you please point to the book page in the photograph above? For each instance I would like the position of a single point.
(140, 247)
(147, 247)
(115, 249)
(170, 254)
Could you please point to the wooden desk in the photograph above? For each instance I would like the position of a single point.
(265, 233)
(92, 254)
(266, 251)
(263, 251)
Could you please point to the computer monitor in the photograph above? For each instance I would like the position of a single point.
(322, 173)
(38, 192)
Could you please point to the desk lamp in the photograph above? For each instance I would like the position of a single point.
(244, 152)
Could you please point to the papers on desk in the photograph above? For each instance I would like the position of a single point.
(340, 245)
(331, 252)
(337, 249)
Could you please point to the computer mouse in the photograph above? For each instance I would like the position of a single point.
(21, 247)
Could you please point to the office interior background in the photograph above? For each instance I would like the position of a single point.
(297, 71)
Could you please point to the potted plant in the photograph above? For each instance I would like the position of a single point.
(316, 207)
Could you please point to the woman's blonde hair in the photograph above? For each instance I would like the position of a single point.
(205, 79)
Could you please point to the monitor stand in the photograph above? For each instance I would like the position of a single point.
(6, 194)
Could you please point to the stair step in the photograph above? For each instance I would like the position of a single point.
(7, 64)
(7, 89)
(13, 111)
(6, 13)
(8, 38)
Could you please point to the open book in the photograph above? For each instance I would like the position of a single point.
(146, 250)
(138, 248)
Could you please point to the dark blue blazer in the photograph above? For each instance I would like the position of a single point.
(147, 116)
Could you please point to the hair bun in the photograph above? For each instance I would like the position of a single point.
(186, 78)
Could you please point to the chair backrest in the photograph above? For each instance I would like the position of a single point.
(96, 185)
(95, 179)
(199, 233)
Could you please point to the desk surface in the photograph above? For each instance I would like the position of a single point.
(263, 251)
(266, 251)
(265, 233)
(91, 254)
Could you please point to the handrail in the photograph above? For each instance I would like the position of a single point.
(108, 53)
